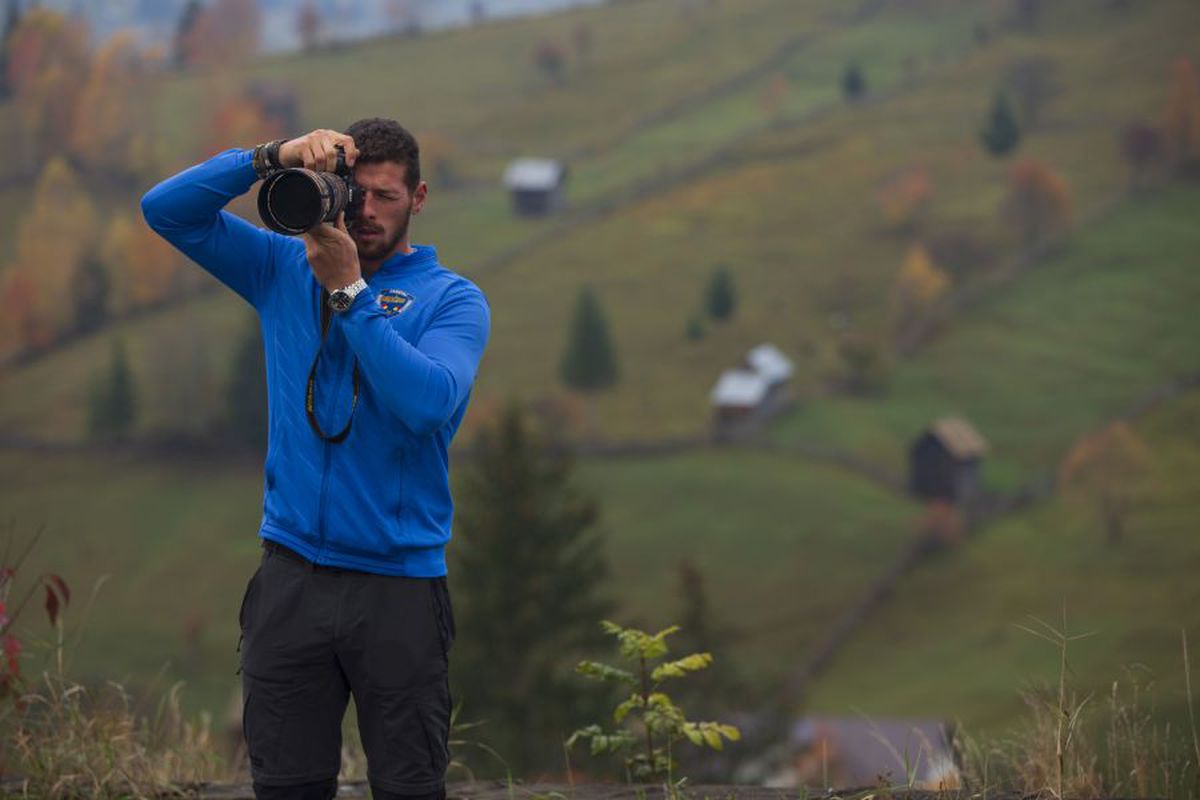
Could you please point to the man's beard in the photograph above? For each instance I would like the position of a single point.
(382, 248)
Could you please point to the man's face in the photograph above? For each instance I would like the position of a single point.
(382, 226)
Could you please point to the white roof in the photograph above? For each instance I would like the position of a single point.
(740, 388)
(771, 363)
(533, 173)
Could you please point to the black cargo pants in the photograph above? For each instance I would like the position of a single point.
(312, 636)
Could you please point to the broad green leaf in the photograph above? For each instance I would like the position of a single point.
(680, 667)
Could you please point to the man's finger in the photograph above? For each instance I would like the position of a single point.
(341, 222)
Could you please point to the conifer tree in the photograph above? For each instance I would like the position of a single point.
(589, 362)
(527, 566)
(854, 83)
(1002, 134)
(113, 404)
(246, 402)
(721, 299)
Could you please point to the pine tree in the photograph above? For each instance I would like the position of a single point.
(527, 566)
(247, 395)
(721, 299)
(113, 403)
(854, 83)
(1002, 133)
(589, 362)
(90, 295)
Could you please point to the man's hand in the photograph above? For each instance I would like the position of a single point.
(332, 254)
(317, 151)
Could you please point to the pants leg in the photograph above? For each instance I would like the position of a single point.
(294, 691)
(318, 790)
(394, 646)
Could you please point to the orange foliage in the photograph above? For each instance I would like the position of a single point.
(47, 68)
(918, 285)
(1107, 467)
(225, 32)
(142, 264)
(1182, 126)
(1038, 203)
(112, 110)
(942, 522)
(904, 197)
(52, 240)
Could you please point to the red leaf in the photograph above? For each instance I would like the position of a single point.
(52, 605)
(62, 589)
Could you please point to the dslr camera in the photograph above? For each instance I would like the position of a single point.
(295, 200)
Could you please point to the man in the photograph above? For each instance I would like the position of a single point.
(371, 351)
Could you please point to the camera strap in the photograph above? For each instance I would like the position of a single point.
(309, 403)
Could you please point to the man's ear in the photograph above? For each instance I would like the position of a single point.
(419, 196)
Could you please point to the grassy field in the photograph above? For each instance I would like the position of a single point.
(787, 201)
(1089, 332)
(947, 644)
(178, 541)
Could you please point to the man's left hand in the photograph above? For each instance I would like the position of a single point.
(332, 254)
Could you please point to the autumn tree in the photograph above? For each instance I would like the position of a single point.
(589, 362)
(1038, 203)
(918, 285)
(1182, 125)
(530, 559)
(1001, 134)
(223, 33)
(182, 39)
(1106, 469)
(49, 253)
(48, 64)
(12, 18)
(144, 267)
(904, 198)
(113, 130)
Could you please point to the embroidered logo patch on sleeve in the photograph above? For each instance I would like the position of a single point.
(393, 301)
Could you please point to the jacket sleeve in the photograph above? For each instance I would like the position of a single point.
(186, 210)
(423, 384)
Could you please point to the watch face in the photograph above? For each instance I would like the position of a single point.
(339, 300)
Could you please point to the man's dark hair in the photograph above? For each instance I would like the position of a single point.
(379, 139)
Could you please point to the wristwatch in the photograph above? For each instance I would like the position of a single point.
(340, 299)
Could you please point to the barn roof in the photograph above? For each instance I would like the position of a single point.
(739, 388)
(959, 437)
(534, 173)
(770, 362)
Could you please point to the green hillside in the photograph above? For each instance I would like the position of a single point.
(686, 154)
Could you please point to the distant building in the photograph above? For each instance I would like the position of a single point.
(825, 752)
(944, 461)
(537, 186)
(749, 395)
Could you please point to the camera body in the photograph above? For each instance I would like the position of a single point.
(295, 200)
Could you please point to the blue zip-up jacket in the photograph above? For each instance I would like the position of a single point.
(379, 501)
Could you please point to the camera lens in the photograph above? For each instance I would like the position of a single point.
(296, 200)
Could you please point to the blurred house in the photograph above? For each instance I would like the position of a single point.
(749, 395)
(823, 752)
(537, 186)
(944, 461)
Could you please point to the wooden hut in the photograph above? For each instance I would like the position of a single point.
(944, 461)
(537, 186)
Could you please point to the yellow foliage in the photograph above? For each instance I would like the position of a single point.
(1182, 126)
(919, 283)
(112, 109)
(142, 264)
(1109, 461)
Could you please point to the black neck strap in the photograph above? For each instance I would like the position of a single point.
(309, 403)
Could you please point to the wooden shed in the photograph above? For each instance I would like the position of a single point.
(944, 461)
(537, 186)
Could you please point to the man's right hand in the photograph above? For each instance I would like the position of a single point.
(317, 151)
